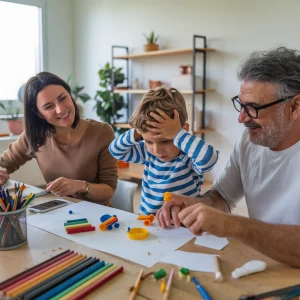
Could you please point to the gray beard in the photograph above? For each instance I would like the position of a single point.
(271, 135)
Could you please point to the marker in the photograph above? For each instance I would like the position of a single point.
(201, 289)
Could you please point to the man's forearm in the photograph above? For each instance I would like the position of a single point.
(280, 242)
(214, 199)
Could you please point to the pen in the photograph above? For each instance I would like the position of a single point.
(201, 289)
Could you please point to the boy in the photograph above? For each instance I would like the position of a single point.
(174, 160)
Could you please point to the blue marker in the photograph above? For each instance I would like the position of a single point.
(201, 289)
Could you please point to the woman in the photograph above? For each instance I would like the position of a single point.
(72, 153)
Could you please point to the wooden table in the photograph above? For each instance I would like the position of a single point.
(41, 245)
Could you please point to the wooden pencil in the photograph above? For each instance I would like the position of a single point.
(58, 279)
(66, 284)
(97, 284)
(33, 269)
(83, 281)
(40, 271)
(29, 284)
(88, 283)
(169, 285)
(136, 285)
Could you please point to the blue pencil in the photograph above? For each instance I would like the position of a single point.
(56, 290)
(201, 289)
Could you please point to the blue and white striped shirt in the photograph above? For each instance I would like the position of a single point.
(182, 175)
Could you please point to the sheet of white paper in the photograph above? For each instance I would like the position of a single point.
(144, 252)
(10, 185)
(211, 241)
(193, 261)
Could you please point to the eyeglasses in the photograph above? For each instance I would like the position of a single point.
(252, 111)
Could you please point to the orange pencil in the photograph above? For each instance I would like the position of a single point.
(38, 279)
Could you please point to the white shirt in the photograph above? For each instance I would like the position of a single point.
(269, 180)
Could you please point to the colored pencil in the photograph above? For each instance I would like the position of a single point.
(50, 283)
(33, 269)
(79, 230)
(41, 271)
(29, 284)
(136, 285)
(96, 284)
(169, 285)
(106, 269)
(201, 289)
(66, 284)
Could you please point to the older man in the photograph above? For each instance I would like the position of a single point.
(264, 165)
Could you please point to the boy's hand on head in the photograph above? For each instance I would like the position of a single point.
(164, 126)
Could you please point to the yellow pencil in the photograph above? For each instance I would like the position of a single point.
(78, 226)
(87, 283)
(136, 285)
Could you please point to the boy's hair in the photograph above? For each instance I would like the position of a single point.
(163, 98)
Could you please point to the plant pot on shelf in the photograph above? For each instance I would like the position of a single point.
(15, 126)
(151, 47)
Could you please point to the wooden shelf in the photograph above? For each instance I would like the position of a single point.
(198, 131)
(163, 52)
(186, 92)
(136, 171)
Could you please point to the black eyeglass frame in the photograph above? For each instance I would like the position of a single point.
(257, 108)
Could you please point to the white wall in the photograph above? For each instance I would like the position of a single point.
(235, 28)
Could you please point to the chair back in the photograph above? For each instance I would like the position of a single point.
(124, 195)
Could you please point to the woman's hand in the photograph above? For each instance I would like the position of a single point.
(3, 175)
(65, 187)
(171, 209)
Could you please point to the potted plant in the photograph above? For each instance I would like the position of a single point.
(151, 42)
(106, 99)
(15, 123)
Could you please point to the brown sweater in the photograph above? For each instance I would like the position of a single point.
(87, 159)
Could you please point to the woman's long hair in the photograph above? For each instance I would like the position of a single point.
(38, 129)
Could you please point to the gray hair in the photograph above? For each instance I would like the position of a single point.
(280, 67)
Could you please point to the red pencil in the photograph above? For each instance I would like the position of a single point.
(96, 284)
(81, 229)
(30, 271)
(42, 270)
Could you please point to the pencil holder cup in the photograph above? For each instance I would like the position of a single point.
(13, 229)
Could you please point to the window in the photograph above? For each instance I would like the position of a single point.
(21, 51)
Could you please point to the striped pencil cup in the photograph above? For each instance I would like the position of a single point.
(13, 229)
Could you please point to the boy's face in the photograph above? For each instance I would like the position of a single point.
(164, 149)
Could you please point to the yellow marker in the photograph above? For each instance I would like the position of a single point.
(137, 233)
(167, 196)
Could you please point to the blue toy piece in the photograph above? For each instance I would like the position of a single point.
(70, 212)
(106, 217)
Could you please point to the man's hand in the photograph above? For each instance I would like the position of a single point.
(3, 175)
(171, 209)
(201, 218)
(65, 187)
(164, 126)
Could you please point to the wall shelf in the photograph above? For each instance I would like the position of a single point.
(163, 52)
(140, 91)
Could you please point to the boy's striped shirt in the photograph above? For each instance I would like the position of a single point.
(182, 175)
